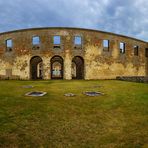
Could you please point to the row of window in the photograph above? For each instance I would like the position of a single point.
(36, 42)
(106, 47)
(77, 42)
(56, 41)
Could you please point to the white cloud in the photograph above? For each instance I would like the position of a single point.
(128, 17)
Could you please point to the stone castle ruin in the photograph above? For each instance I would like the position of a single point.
(70, 53)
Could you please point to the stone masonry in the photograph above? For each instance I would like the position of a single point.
(89, 60)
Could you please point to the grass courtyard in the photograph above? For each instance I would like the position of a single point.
(117, 119)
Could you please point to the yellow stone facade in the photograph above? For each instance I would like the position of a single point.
(97, 63)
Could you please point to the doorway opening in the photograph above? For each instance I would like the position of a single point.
(36, 68)
(77, 68)
(56, 67)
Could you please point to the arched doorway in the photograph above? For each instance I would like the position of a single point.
(77, 68)
(36, 68)
(56, 67)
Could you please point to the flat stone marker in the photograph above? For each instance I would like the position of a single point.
(36, 93)
(93, 93)
(69, 95)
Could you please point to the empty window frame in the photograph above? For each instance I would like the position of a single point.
(106, 45)
(146, 52)
(9, 45)
(122, 47)
(77, 40)
(136, 52)
(36, 40)
(57, 40)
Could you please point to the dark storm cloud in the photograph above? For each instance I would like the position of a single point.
(128, 17)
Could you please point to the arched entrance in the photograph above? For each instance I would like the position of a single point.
(36, 68)
(77, 68)
(56, 67)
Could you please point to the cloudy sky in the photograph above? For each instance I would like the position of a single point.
(127, 17)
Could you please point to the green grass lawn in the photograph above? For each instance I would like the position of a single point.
(117, 119)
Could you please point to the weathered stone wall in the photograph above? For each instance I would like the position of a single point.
(98, 64)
